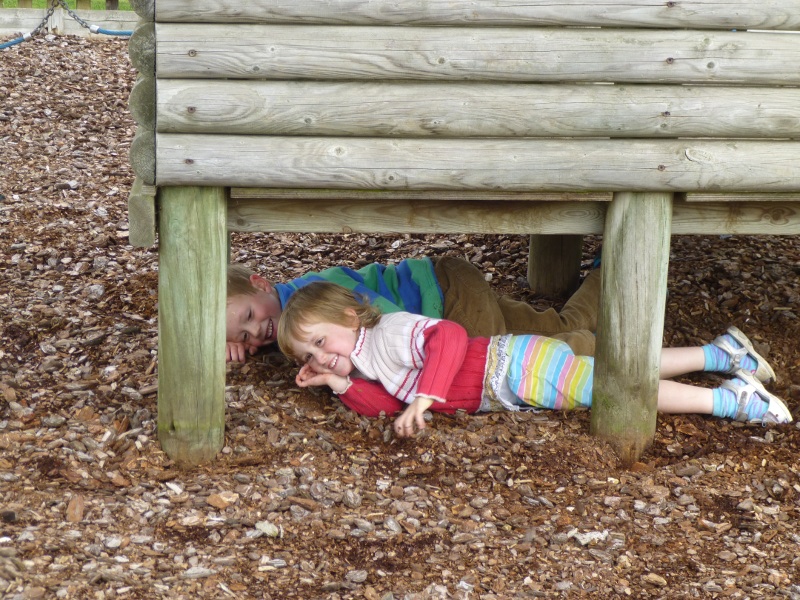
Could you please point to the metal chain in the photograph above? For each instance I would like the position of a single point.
(49, 14)
(72, 13)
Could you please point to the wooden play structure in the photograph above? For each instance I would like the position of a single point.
(635, 120)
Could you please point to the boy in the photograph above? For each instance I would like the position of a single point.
(440, 287)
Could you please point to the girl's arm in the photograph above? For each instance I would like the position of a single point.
(308, 377)
(370, 399)
(445, 349)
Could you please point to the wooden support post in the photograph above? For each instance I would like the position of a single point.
(630, 325)
(191, 322)
(554, 264)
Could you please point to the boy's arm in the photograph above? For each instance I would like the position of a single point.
(238, 351)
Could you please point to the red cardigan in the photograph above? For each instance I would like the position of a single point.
(453, 369)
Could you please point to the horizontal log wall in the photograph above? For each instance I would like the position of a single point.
(478, 164)
(701, 14)
(414, 109)
(476, 54)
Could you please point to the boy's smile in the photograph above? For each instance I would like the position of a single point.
(253, 319)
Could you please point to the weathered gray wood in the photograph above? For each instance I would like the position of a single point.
(416, 216)
(191, 323)
(143, 155)
(453, 54)
(145, 9)
(729, 197)
(631, 321)
(300, 195)
(463, 109)
(382, 215)
(142, 214)
(554, 263)
(485, 164)
(142, 102)
(707, 14)
(142, 48)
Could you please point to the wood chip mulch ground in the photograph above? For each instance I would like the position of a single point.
(307, 500)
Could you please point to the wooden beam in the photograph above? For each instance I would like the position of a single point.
(386, 215)
(703, 14)
(142, 214)
(631, 321)
(469, 109)
(475, 54)
(191, 323)
(554, 264)
(477, 164)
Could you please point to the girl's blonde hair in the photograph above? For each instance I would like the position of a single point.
(322, 302)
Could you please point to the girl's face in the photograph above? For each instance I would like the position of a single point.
(326, 347)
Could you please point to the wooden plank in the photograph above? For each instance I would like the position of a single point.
(478, 164)
(191, 323)
(472, 109)
(142, 214)
(416, 216)
(704, 196)
(476, 54)
(301, 195)
(752, 218)
(326, 215)
(705, 14)
(630, 325)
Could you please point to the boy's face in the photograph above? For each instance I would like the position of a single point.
(326, 347)
(253, 319)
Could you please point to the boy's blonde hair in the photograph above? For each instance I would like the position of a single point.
(322, 302)
(239, 281)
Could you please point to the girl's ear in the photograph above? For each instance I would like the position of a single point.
(352, 317)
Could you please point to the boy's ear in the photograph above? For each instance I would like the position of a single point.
(258, 282)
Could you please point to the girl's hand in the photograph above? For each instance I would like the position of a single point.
(411, 417)
(308, 377)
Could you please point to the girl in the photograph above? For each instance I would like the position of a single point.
(400, 358)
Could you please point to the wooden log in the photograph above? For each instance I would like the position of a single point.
(299, 195)
(142, 102)
(416, 216)
(328, 215)
(142, 49)
(554, 264)
(631, 321)
(143, 155)
(191, 323)
(485, 54)
(145, 9)
(478, 164)
(466, 109)
(703, 14)
(142, 214)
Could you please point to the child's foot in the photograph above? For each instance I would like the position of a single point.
(733, 351)
(754, 404)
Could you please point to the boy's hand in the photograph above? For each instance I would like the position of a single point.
(411, 417)
(307, 377)
(238, 351)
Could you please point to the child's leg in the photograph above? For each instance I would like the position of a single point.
(681, 398)
(543, 372)
(742, 398)
(680, 361)
(733, 351)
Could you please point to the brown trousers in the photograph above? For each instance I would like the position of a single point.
(470, 301)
